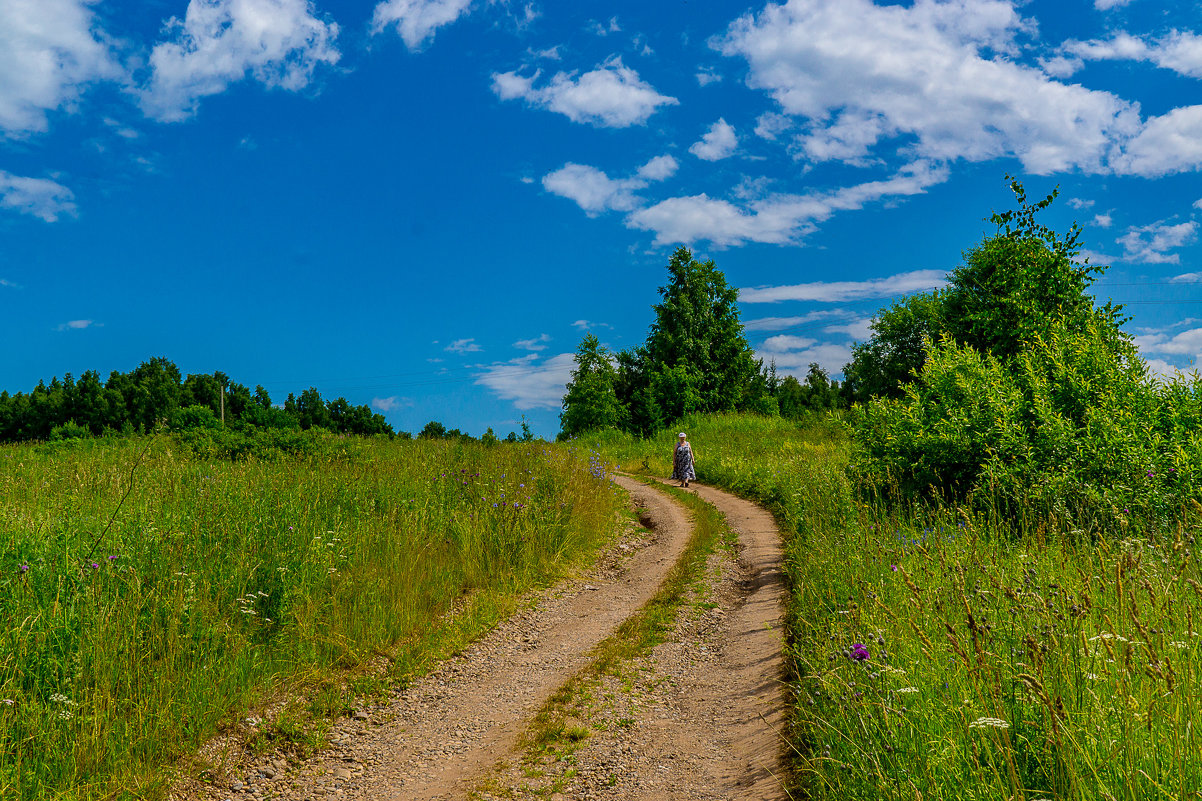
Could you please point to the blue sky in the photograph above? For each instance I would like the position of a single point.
(422, 205)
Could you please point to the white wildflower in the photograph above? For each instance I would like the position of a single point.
(908, 690)
(989, 723)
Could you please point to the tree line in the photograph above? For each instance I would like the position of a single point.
(156, 393)
(695, 359)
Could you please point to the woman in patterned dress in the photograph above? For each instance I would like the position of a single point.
(682, 462)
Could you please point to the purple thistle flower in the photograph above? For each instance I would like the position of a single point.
(112, 557)
(893, 568)
(95, 566)
(859, 652)
(24, 568)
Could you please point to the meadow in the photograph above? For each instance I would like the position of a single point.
(152, 595)
(951, 651)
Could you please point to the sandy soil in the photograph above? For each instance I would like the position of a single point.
(697, 718)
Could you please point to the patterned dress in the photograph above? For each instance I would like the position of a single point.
(682, 463)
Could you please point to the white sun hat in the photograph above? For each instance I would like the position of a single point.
(681, 434)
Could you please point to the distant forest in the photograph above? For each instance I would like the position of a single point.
(156, 393)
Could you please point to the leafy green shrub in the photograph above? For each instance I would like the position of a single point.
(1073, 423)
(69, 430)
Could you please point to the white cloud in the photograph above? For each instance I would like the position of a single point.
(1103, 220)
(707, 75)
(417, 20)
(585, 325)
(596, 192)
(770, 125)
(39, 197)
(278, 42)
(860, 330)
(1168, 143)
(835, 291)
(1186, 278)
(1198, 204)
(776, 219)
(1180, 51)
(605, 28)
(1078, 203)
(661, 168)
(787, 342)
(611, 96)
(933, 74)
(77, 325)
(50, 50)
(11, 285)
(537, 343)
(717, 143)
(529, 383)
(796, 361)
(592, 189)
(1106, 5)
(782, 323)
(1186, 343)
(1148, 244)
(391, 403)
(464, 346)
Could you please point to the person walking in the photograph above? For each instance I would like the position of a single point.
(683, 461)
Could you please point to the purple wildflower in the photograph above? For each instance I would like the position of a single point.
(859, 652)
(893, 568)
(24, 568)
(112, 557)
(95, 566)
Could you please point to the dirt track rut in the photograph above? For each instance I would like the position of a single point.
(715, 719)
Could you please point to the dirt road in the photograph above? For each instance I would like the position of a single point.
(696, 718)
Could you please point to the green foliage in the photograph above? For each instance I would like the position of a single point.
(590, 401)
(1010, 289)
(696, 358)
(887, 362)
(818, 395)
(154, 393)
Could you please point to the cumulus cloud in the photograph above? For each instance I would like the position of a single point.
(391, 403)
(717, 143)
(39, 197)
(280, 43)
(1106, 5)
(464, 346)
(417, 20)
(595, 192)
(530, 384)
(707, 75)
(934, 74)
(1149, 244)
(537, 343)
(1168, 143)
(1103, 220)
(777, 219)
(1179, 51)
(610, 96)
(839, 291)
(786, 342)
(50, 50)
(770, 125)
(592, 189)
(660, 168)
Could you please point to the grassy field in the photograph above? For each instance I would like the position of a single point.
(130, 631)
(944, 653)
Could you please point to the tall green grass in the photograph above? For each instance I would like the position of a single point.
(124, 646)
(948, 653)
